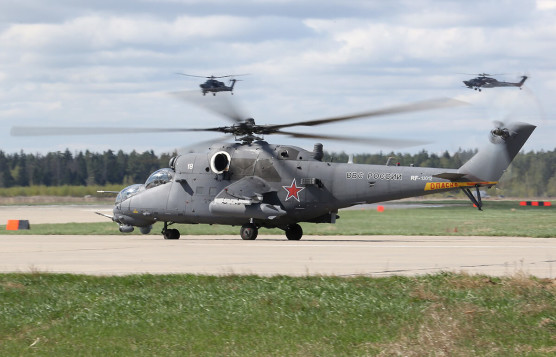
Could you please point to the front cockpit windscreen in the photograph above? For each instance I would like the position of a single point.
(159, 177)
(127, 192)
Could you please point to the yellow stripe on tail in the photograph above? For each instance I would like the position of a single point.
(430, 186)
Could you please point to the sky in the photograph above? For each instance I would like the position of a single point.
(114, 63)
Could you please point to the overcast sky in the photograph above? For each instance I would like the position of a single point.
(113, 63)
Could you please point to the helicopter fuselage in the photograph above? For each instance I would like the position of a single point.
(272, 186)
(214, 86)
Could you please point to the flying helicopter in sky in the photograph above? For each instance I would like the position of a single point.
(484, 81)
(214, 86)
(253, 184)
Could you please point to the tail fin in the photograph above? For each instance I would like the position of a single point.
(523, 79)
(490, 162)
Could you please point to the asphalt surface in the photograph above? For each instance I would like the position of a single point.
(273, 255)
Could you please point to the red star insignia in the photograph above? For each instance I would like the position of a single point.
(293, 191)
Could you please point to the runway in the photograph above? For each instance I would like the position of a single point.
(273, 255)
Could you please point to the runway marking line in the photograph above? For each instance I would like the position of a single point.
(379, 246)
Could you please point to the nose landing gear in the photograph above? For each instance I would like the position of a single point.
(249, 231)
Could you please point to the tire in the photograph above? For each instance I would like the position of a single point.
(175, 234)
(294, 232)
(249, 232)
(172, 234)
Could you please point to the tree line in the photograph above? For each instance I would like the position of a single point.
(531, 174)
(78, 169)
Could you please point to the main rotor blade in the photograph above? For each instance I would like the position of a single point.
(212, 77)
(232, 75)
(483, 74)
(405, 108)
(221, 104)
(191, 75)
(391, 143)
(203, 145)
(95, 130)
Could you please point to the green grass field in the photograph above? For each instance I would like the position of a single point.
(499, 218)
(186, 315)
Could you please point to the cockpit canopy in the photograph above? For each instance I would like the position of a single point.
(128, 192)
(159, 177)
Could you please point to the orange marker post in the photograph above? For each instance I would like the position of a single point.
(13, 225)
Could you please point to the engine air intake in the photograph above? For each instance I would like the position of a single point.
(220, 162)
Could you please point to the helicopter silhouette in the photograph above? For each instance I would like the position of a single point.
(254, 184)
(484, 81)
(214, 86)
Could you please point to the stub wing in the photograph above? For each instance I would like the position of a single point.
(245, 199)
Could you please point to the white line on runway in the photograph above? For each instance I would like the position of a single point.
(378, 245)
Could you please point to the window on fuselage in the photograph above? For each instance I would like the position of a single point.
(128, 192)
(159, 177)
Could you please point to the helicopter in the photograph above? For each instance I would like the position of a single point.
(253, 184)
(484, 81)
(214, 86)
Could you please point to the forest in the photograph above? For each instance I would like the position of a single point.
(531, 174)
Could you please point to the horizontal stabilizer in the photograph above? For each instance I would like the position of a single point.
(452, 176)
(432, 186)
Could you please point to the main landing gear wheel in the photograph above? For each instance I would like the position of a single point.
(249, 231)
(294, 232)
(172, 234)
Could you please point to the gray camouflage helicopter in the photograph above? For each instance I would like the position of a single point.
(484, 81)
(214, 86)
(254, 184)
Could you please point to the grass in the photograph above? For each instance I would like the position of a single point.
(499, 218)
(186, 315)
